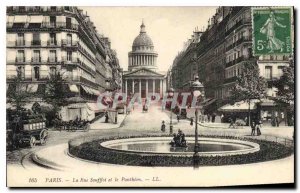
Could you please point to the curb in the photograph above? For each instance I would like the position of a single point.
(43, 164)
(121, 124)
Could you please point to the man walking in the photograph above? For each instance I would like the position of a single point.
(253, 125)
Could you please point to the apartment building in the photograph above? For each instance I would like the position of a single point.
(45, 40)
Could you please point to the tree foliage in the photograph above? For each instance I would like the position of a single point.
(18, 94)
(249, 85)
(55, 92)
(286, 86)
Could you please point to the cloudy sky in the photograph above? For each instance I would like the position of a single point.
(168, 27)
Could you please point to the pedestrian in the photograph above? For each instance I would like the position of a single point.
(192, 121)
(276, 121)
(163, 126)
(213, 117)
(178, 117)
(222, 117)
(106, 117)
(253, 125)
(246, 120)
(208, 118)
(258, 128)
(231, 123)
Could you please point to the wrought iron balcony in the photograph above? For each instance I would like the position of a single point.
(20, 59)
(20, 43)
(69, 59)
(69, 43)
(52, 43)
(36, 59)
(36, 42)
(52, 59)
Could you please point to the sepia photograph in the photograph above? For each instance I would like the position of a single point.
(150, 96)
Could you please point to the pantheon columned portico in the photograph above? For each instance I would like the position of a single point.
(142, 76)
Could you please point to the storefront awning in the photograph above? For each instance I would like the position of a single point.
(20, 19)
(73, 88)
(86, 89)
(10, 19)
(205, 101)
(96, 92)
(93, 106)
(32, 88)
(209, 102)
(238, 107)
(36, 19)
(267, 103)
(77, 106)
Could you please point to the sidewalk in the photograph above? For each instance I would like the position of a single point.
(100, 123)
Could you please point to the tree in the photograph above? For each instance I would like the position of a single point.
(19, 93)
(55, 92)
(248, 86)
(286, 88)
(286, 85)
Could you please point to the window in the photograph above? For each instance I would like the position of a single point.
(36, 56)
(69, 39)
(36, 39)
(22, 9)
(280, 70)
(20, 56)
(36, 73)
(21, 72)
(52, 39)
(69, 56)
(53, 70)
(67, 8)
(68, 23)
(268, 72)
(20, 39)
(52, 21)
(52, 57)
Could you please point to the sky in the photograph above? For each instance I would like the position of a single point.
(168, 27)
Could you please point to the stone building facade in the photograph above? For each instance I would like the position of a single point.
(224, 47)
(42, 40)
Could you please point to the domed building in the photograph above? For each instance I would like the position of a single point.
(142, 75)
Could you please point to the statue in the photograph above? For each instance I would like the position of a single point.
(178, 140)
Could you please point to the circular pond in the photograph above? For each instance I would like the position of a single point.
(156, 151)
(160, 145)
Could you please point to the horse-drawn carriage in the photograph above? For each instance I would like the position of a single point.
(26, 129)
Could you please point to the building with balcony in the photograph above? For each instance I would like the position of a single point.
(184, 67)
(223, 49)
(43, 40)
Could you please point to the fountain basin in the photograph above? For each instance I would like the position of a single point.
(160, 145)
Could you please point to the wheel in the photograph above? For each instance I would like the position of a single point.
(43, 137)
(43, 141)
(32, 141)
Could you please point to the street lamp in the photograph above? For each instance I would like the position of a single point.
(170, 94)
(197, 89)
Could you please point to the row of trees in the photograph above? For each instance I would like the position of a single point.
(55, 93)
(250, 85)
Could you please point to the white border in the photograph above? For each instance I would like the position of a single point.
(112, 3)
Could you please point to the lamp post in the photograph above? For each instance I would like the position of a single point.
(197, 90)
(170, 94)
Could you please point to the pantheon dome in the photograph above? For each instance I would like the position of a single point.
(142, 54)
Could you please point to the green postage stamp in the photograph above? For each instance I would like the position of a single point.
(271, 30)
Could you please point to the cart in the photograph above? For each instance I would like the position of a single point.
(28, 130)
